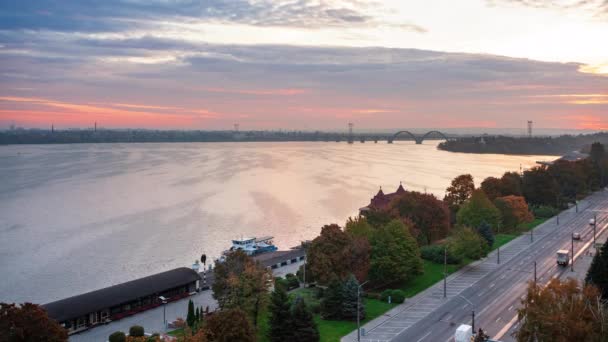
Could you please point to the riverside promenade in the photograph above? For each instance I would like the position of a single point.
(490, 289)
(152, 320)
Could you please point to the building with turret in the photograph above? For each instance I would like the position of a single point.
(381, 200)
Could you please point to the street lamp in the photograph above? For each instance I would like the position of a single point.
(358, 311)
(204, 261)
(572, 243)
(164, 301)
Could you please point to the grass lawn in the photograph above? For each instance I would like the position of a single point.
(502, 239)
(330, 331)
(524, 227)
(433, 273)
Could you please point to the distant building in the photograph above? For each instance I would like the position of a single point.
(84, 311)
(381, 200)
(571, 156)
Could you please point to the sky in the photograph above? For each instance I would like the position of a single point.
(304, 64)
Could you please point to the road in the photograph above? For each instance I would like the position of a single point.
(496, 296)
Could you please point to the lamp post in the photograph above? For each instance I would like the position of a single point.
(358, 311)
(498, 249)
(445, 271)
(164, 301)
(594, 226)
(534, 272)
(204, 261)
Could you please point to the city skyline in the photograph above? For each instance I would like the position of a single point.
(304, 64)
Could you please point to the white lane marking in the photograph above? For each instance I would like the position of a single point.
(423, 337)
(510, 308)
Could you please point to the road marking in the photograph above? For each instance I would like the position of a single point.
(510, 308)
(498, 319)
(423, 337)
(492, 285)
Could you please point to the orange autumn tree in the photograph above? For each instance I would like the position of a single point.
(514, 210)
(29, 322)
(563, 311)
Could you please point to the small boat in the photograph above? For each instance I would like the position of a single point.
(253, 246)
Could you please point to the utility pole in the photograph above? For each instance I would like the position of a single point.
(532, 235)
(358, 312)
(350, 133)
(557, 217)
(572, 250)
(534, 272)
(473, 320)
(445, 271)
(305, 257)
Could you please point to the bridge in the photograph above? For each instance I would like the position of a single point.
(416, 138)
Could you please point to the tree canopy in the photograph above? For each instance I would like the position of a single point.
(478, 209)
(562, 312)
(514, 211)
(395, 255)
(597, 274)
(459, 191)
(228, 326)
(467, 243)
(279, 320)
(27, 323)
(539, 187)
(430, 217)
(240, 282)
(304, 326)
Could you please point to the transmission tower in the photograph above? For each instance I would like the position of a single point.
(350, 133)
(529, 129)
(236, 127)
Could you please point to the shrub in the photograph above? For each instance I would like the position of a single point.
(278, 281)
(117, 336)
(397, 296)
(315, 308)
(154, 338)
(292, 281)
(136, 331)
(435, 253)
(544, 211)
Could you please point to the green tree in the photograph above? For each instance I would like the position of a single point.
(395, 255)
(492, 187)
(279, 321)
(511, 184)
(540, 188)
(333, 297)
(229, 326)
(459, 191)
(28, 322)
(485, 231)
(466, 243)
(349, 304)
(478, 209)
(190, 317)
(304, 327)
(359, 227)
(136, 331)
(597, 274)
(117, 336)
(597, 152)
(240, 282)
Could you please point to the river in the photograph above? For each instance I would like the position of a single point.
(75, 218)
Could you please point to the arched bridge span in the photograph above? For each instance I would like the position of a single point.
(417, 139)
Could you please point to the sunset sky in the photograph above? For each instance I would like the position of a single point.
(304, 64)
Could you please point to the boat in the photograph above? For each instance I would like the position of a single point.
(253, 246)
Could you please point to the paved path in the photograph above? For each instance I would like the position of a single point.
(492, 290)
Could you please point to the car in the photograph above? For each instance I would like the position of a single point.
(576, 236)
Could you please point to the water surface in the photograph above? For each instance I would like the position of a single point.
(74, 218)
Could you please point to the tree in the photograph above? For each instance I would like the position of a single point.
(351, 297)
(562, 312)
(511, 184)
(190, 317)
(279, 321)
(514, 211)
(117, 336)
(459, 191)
(539, 187)
(478, 209)
(136, 331)
(229, 325)
(395, 255)
(429, 216)
(597, 152)
(331, 304)
(240, 282)
(570, 177)
(485, 231)
(359, 227)
(597, 274)
(335, 254)
(492, 187)
(304, 326)
(28, 322)
(466, 243)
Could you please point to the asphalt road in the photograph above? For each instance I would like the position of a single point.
(496, 296)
